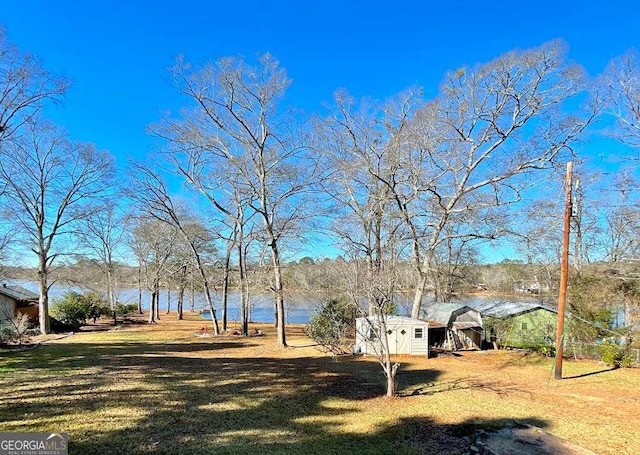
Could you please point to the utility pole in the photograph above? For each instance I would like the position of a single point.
(564, 272)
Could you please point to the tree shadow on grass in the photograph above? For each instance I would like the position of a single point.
(137, 398)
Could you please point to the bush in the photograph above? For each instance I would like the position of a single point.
(74, 309)
(615, 355)
(544, 349)
(96, 305)
(332, 325)
(125, 308)
(16, 329)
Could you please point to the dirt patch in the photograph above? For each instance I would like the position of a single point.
(522, 439)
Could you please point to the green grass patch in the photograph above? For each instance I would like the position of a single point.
(160, 389)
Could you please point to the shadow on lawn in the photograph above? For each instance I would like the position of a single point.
(168, 398)
(592, 373)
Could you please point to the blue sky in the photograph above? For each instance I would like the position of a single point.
(117, 52)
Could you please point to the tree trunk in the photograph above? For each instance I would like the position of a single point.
(139, 290)
(111, 295)
(278, 293)
(152, 308)
(417, 299)
(193, 297)
(168, 299)
(43, 302)
(391, 373)
(242, 278)
(207, 292)
(390, 370)
(225, 285)
(214, 319)
(180, 302)
(157, 307)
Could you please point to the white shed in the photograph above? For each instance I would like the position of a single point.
(405, 335)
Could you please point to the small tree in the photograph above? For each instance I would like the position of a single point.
(50, 184)
(333, 325)
(16, 329)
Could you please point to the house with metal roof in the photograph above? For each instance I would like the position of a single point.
(16, 299)
(517, 324)
(453, 326)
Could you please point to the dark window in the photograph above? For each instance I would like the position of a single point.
(524, 326)
(402, 332)
(372, 334)
(417, 333)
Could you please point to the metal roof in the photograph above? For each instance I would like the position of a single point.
(503, 308)
(18, 292)
(442, 312)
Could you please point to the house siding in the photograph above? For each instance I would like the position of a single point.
(401, 339)
(534, 327)
(6, 309)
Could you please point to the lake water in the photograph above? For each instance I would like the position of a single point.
(298, 307)
(298, 311)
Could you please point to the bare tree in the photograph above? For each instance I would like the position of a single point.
(236, 124)
(50, 183)
(154, 198)
(102, 233)
(488, 134)
(153, 242)
(621, 85)
(24, 87)
(359, 148)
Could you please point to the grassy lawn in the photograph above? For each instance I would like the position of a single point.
(160, 389)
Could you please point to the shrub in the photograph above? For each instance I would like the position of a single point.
(544, 349)
(74, 309)
(16, 329)
(615, 355)
(332, 325)
(96, 305)
(125, 308)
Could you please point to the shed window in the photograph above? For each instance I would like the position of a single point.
(524, 326)
(372, 334)
(417, 333)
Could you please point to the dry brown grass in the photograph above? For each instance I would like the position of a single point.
(161, 389)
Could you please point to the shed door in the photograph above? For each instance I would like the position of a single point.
(403, 340)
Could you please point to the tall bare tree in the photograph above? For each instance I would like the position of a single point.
(453, 165)
(102, 233)
(154, 200)
(50, 184)
(621, 85)
(488, 136)
(24, 87)
(358, 145)
(236, 125)
(153, 243)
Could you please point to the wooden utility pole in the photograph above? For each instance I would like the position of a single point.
(564, 273)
